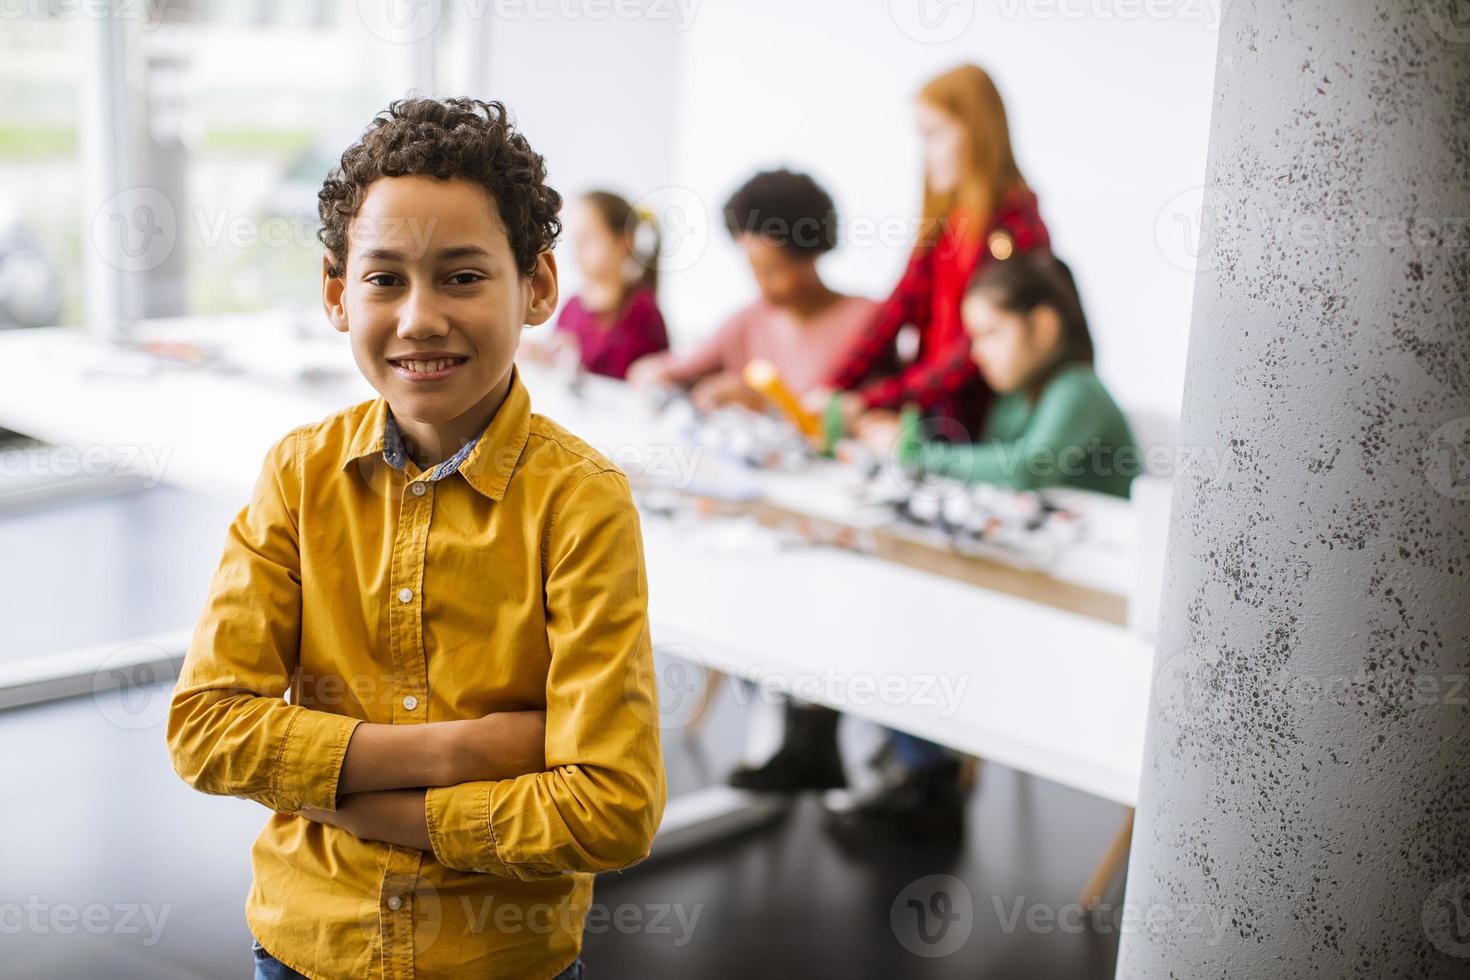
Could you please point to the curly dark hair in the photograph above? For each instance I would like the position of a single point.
(446, 138)
(789, 209)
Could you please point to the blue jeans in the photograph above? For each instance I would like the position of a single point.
(267, 967)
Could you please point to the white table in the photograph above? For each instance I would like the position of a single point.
(1036, 688)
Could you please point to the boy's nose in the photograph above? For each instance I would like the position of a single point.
(420, 317)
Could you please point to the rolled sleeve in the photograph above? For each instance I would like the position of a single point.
(599, 803)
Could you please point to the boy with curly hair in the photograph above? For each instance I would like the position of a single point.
(450, 588)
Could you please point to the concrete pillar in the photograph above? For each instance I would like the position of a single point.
(1305, 810)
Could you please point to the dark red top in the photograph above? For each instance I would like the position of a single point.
(612, 341)
(941, 380)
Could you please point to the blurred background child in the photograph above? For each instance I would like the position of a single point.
(615, 319)
(783, 222)
(1052, 424)
(977, 209)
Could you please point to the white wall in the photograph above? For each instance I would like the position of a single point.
(1109, 113)
(595, 96)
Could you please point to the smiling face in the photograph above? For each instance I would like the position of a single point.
(434, 304)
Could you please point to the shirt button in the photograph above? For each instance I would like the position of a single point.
(410, 702)
(395, 903)
(418, 489)
(405, 595)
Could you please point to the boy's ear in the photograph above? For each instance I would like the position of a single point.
(541, 290)
(333, 285)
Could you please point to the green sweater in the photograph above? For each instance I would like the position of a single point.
(1072, 435)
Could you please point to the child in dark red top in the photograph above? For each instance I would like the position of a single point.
(977, 209)
(615, 319)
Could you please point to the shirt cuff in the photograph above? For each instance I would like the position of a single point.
(310, 763)
(460, 832)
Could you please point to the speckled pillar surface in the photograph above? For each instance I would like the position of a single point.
(1305, 808)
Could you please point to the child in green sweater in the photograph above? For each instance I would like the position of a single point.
(1053, 425)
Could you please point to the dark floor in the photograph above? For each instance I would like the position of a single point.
(110, 866)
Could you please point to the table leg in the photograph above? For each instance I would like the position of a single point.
(1112, 860)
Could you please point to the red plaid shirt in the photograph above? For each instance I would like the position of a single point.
(942, 380)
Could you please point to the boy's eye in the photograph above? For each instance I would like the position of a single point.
(465, 278)
(382, 279)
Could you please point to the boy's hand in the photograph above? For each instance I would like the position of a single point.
(333, 818)
(501, 745)
(394, 816)
(442, 753)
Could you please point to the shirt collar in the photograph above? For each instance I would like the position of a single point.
(486, 461)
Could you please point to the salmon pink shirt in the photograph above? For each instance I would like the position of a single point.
(805, 352)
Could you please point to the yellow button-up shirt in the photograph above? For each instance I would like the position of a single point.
(509, 577)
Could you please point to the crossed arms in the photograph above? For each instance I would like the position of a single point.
(527, 795)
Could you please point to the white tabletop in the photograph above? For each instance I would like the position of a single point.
(1046, 691)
